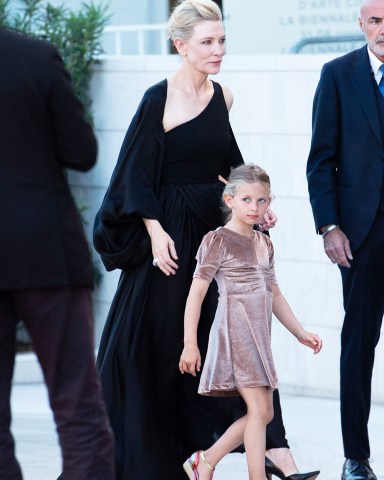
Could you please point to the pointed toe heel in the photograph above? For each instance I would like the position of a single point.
(272, 469)
(304, 476)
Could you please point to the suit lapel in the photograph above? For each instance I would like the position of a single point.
(360, 76)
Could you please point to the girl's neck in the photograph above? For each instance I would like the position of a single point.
(241, 228)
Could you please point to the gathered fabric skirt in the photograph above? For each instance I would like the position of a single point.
(156, 414)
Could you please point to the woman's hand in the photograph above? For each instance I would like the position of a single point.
(310, 340)
(270, 221)
(222, 179)
(190, 360)
(163, 247)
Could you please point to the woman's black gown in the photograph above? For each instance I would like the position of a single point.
(156, 414)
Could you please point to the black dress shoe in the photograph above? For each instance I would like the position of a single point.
(357, 470)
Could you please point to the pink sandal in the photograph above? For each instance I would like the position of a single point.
(190, 465)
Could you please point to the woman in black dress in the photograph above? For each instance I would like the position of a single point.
(162, 199)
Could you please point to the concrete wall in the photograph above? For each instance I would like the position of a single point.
(271, 117)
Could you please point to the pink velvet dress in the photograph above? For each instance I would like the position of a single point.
(239, 351)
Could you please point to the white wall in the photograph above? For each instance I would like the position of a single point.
(253, 27)
(256, 27)
(271, 117)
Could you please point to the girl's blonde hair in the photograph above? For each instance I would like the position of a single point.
(187, 14)
(247, 173)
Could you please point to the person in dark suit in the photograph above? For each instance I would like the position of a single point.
(45, 268)
(345, 177)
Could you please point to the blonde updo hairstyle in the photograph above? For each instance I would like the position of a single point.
(187, 14)
(247, 173)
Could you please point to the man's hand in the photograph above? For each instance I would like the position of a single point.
(337, 248)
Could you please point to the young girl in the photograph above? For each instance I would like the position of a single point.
(239, 358)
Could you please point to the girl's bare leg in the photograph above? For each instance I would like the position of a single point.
(231, 439)
(249, 429)
(259, 414)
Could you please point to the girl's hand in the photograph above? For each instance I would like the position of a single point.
(270, 221)
(311, 340)
(163, 247)
(190, 360)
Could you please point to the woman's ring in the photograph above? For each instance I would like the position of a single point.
(155, 261)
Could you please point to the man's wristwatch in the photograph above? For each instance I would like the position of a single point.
(324, 231)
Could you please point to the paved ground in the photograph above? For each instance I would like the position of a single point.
(312, 425)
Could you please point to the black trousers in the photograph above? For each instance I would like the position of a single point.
(363, 292)
(59, 321)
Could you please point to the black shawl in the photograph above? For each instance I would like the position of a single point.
(120, 236)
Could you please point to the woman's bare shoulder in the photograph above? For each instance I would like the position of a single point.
(228, 96)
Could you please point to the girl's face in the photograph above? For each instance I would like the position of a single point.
(249, 204)
(205, 50)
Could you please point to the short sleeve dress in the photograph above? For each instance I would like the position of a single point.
(239, 350)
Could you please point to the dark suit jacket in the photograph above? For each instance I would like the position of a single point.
(345, 165)
(42, 132)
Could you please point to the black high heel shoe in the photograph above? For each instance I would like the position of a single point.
(272, 469)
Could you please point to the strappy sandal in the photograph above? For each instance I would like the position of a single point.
(190, 465)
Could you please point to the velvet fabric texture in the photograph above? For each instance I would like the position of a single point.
(239, 350)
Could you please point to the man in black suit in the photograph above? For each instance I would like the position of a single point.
(345, 177)
(45, 269)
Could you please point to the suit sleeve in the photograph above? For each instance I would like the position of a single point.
(324, 153)
(74, 138)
